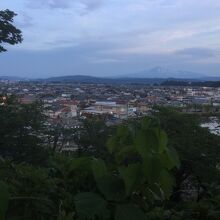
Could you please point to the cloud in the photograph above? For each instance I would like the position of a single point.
(52, 4)
(92, 4)
(199, 55)
(104, 60)
(168, 3)
(138, 32)
(25, 20)
(197, 52)
(86, 5)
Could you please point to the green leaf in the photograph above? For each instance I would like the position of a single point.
(153, 193)
(132, 176)
(162, 136)
(151, 168)
(80, 163)
(90, 206)
(124, 153)
(170, 159)
(145, 123)
(146, 142)
(166, 182)
(122, 131)
(155, 139)
(112, 187)
(64, 216)
(156, 174)
(99, 168)
(173, 155)
(112, 144)
(166, 161)
(4, 199)
(141, 143)
(129, 212)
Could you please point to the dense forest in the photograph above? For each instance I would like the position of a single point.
(161, 167)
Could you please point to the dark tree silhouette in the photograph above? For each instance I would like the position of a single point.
(9, 34)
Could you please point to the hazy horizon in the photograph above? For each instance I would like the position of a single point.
(111, 37)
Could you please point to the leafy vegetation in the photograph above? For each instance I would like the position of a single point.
(139, 173)
(20, 131)
(197, 147)
(9, 34)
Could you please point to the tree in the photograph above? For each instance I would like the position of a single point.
(9, 34)
(198, 150)
(92, 137)
(137, 183)
(21, 131)
(87, 188)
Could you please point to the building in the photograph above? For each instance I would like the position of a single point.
(106, 107)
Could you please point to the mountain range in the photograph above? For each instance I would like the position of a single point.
(151, 76)
(160, 72)
(13, 78)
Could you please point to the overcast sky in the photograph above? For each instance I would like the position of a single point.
(113, 37)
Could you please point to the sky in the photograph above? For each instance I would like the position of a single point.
(113, 37)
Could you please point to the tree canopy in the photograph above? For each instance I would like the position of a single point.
(9, 34)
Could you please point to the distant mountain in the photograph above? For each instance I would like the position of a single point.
(12, 78)
(156, 75)
(102, 80)
(210, 78)
(118, 81)
(159, 72)
(73, 78)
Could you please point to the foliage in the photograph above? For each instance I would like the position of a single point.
(20, 131)
(8, 32)
(198, 150)
(88, 188)
(144, 158)
(138, 176)
(4, 198)
(90, 205)
(92, 137)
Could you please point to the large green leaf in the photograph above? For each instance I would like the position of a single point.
(90, 206)
(129, 212)
(162, 139)
(145, 123)
(146, 142)
(152, 167)
(132, 176)
(170, 159)
(112, 143)
(166, 161)
(99, 168)
(157, 175)
(141, 143)
(112, 187)
(80, 163)
(4, 199)
(166, 182)
(155, 139)
(122, 131)
(173, 157)
(125, 153)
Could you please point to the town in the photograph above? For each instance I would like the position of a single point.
(69, 101)
(67, 105)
